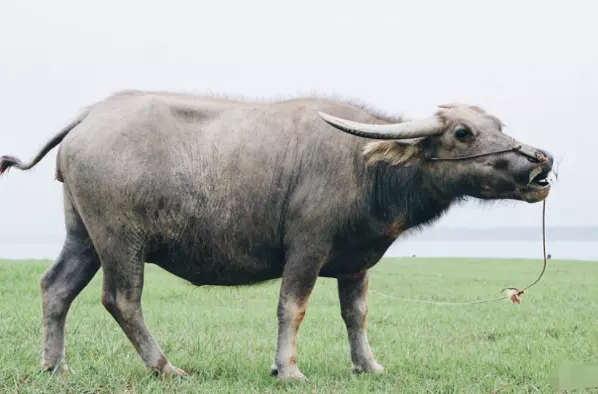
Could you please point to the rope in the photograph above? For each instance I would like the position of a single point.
(512, 149)
(512, 292)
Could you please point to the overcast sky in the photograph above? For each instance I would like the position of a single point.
(532, 63)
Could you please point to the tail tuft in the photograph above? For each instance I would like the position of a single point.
(6, 162)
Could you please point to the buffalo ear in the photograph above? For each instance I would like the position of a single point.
(393, 152)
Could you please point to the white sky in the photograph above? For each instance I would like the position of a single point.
(532, 63)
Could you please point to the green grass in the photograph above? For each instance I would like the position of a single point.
(224, 337)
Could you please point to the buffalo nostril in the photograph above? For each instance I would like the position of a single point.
(544, 157)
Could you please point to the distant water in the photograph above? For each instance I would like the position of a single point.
(567, 250)
(562, 250)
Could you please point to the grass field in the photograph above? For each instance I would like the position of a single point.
(224, 337)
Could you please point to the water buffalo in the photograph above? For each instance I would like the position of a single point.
(233, 192)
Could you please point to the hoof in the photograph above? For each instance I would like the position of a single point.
(173, 373)
(169, 371)
(291, 376)
(60, 369)
(273, 370)
(373, 367)
(177, 372)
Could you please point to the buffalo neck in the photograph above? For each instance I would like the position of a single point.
(406, 194)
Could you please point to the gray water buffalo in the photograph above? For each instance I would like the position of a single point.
(232, 192)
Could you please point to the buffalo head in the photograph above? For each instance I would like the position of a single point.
(464, 151)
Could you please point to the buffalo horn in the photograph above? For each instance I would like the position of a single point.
(396, 131)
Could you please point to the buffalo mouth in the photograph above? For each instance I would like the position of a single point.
(538, 187)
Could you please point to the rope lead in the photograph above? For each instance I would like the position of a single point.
(512, 293)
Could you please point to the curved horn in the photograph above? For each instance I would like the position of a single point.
(396, 131)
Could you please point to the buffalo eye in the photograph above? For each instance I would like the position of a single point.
(463, 134)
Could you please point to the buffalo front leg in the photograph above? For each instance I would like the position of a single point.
(121, 295)
(352, 293)
(298, 280)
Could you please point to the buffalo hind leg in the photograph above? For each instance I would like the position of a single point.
(60, 284)
(121, 295)
(352, 293)
(298, 280)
